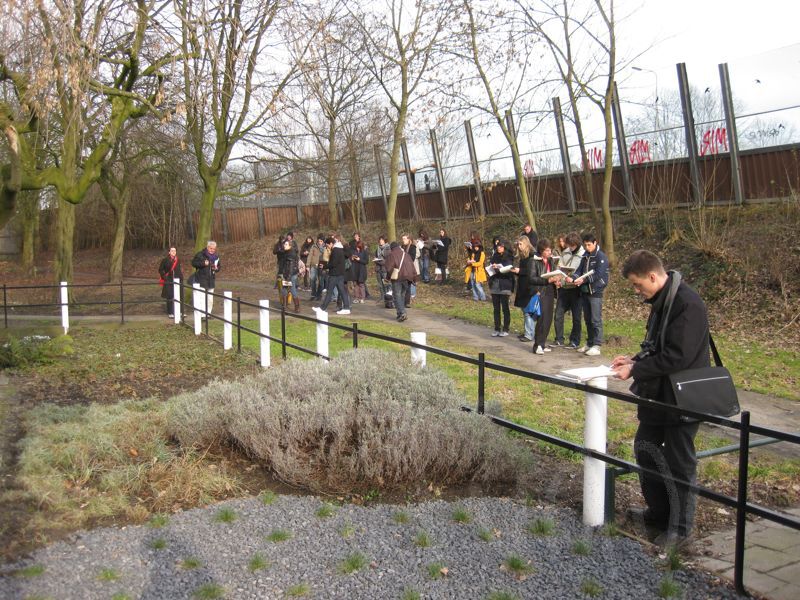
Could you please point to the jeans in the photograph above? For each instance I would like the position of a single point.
(669, 450)
(425, 268)
(593, 317)
(293, 288)
(477, 288)
(569, 299)
(501, 301)
(336, 282)
(530, 325)
(316, 281)
(381, 275)
(399, 291)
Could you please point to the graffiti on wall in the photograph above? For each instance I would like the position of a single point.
(714, 141)
(528, 169)
(639, 152)
(594, 159)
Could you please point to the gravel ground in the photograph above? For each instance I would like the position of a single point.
(123, 562)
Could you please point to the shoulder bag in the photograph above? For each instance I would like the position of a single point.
(396, 271)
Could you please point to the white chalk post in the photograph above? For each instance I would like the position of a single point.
(419, 357)
(198, 302)
(65, 306)
(177, 309)
(263, 327)
(322, 333)
(594, 470)
(227, 314)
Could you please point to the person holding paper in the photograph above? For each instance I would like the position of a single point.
(441, 254)
(474, 272)
(569, 296)
(546, 288)
(501, 286)
(525, 252)
(206, 264)
(591, 277)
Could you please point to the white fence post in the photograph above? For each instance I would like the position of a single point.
(65, 306)
(263, 327)
(594, 470)
(198, 301)
(227, 314)
(419, 357)
(322, 334)
(177, 309)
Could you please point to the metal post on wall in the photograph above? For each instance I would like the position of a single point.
(562, 143)
(437, 163)
(691, 136)
(519, 176)
(362, 209)
(733, 138)
(224, 213)
(622, 148)
(412, 196)
(476, 174)
(262, 224)
(381, 182)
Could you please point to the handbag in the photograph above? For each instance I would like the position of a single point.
(707, 389)
(534, 306)
(396, 271)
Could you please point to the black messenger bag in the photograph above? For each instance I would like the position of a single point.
(707, 390)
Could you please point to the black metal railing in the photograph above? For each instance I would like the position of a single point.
(740, 503)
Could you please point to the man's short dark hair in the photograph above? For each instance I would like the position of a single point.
(542, 245)
(589, 237)
(642, 262)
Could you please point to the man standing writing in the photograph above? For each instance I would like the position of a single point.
(677, 339)
(206, 264)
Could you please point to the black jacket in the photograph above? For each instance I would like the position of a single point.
(538, 283)
(288, 264)
(685, 346)
(501, 283)
(167, 273)
(336, 262)
(206, 276)
(441, 252)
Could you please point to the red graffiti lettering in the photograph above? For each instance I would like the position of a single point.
(594, 159)
(639, 152)
(528, 169)
(714, 141)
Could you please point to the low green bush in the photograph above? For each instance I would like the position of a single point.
(366, 420)
(33, 350)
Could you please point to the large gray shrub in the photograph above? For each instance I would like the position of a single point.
(364, 420)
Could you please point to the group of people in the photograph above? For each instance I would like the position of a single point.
(206, 264)
(569, 277)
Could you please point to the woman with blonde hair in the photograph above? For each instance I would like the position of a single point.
(524, 291)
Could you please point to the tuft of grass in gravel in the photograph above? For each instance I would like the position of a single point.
(158, 520)
(669, 588)
(209, 591)
(517, 566)
(591, 587)
(400, 517)
(485, 535)
(190, 562)
(352, 563)
(502, 596)
(225, 515)
(158, 544)
(422, 539)
(278, 535)
(257, 563)
(347, 531)
(673, 562)
(107, 575)
(297, 590)
(610, 530)
(410, 594)
(581, 548)
(461, 515)
(542, 526)
(436, 570)
(325, 511)
(32, 571)
(120, 596)
(268, 497)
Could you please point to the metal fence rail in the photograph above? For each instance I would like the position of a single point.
(740, 502)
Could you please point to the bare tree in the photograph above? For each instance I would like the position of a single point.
(400, 45)
(79, 70)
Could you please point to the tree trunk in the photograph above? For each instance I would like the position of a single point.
(587, 173)
(331, 175)
(29, 212)
(118, 245)
(608, 224)
(210, 184)
(394, 162)
(65, 236)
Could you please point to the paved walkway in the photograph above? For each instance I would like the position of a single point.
(772, 558)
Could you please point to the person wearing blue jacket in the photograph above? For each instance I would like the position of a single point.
(591, 277)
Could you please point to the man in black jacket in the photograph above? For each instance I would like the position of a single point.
(206, 264)
(664, 440)
(336, 268)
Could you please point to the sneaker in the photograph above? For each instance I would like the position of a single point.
(402, 317)
(572, 346)
(671, 539)
(546, 349)
(558, 343)
(503, 334)
(495, 333)
(523, 338)
(593, 351)
(539, 350)
(582, 349)
(344, 311)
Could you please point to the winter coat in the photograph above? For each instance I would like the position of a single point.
(358, 268)
(501, 284)
(398, 258)
(441, 252)
(595, 283)
(315, 255)
(206, 276)
(288, 263)
(538, 283)
(685, 346)
(477, 267)
(569, 262)
(336, 262)
(524, 291)
(167, 272)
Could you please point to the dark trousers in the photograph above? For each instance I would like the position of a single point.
(336, 282)
(569, 299)
(400, 289)
(547, 302)
(593, 317)
(669, 450)
(501, 301)
(443, 268)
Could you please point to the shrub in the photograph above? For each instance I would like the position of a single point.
(33, 350)
(367, 421)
